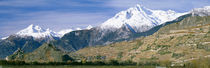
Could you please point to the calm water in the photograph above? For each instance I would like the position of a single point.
(68, 66)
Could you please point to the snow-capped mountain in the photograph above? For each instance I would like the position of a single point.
(78, 29)
(4, 38)
(37, 32)
(205, 11)
(89, 27)
(63, 32)
(140, 18)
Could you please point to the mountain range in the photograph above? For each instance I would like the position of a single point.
(175, 42)
(127, 25)
(124, 26)
(29, 39)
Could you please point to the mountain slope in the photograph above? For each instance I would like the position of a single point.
(27, 39)
(140, 18)
(45, 53)
(13, 42)
(178, 42)
(118, 28)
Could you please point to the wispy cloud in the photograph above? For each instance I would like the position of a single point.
(51, 3)
(73, 19)
(22, 3)
(54, 20)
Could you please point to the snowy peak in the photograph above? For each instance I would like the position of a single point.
(140, 18)
(89, 27)
(37, 32)
(31, 29)
(205, 11)
(63, 32)
(4, 38)
(78, 29)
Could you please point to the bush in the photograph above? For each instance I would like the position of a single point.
(66, 58)
(120, 55)
(177, 55)
(113, 62)
(199, 63)
(137, 46)
(162, 46)
(127, 62)
(205, 47)
(4, 62)
(163, 52)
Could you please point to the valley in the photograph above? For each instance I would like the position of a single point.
(135, 37)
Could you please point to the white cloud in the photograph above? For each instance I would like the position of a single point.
(55, 20)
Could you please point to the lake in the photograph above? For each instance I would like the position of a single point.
(69, 66)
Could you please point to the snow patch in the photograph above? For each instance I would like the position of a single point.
(140, 18)
(205, 11)
(37, 32)
(4, 38)
(78, 29)
(63, 32)
(89, 27)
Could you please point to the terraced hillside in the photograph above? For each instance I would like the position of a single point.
(179, 42)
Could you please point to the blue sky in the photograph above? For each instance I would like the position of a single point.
(62, 14)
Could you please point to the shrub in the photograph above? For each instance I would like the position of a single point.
(205, 47)
(163, 52)
(4, 62)
(66, 58)
(137, 46)
(177, 55)
(120, 55)
(161, 46)
(198, 63)
(113, 62)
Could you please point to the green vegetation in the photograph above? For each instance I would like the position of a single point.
(138, 45)
(120, 55)
(162, 46)
(73, 66)
(177, 55)
(205, 47)
(148, 48)
(199, 63)
(4, 62)
(163, 52)
(45, 53)
(170, 43)
(111, 62)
